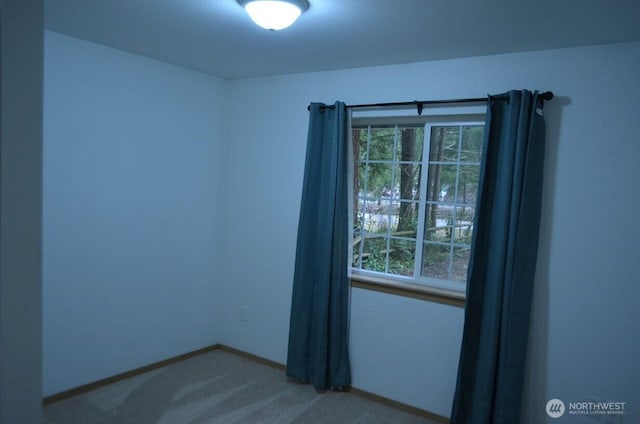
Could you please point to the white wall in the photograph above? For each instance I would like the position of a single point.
(590, 270)
(132, 203)
(20, 211)
(583, 340)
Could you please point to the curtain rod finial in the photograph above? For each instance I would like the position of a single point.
(547, 95)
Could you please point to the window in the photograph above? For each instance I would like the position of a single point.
(414, 195)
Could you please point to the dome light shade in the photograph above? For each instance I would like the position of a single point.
(274, 14)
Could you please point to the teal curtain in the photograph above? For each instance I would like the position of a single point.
(318, 351)
(503, 262)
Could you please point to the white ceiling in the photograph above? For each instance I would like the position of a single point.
(217, 37)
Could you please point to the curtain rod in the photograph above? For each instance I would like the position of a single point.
(547, 95)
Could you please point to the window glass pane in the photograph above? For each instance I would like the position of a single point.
(379, 182)
(408, 181)
(359, 178)
(447, 187)
(436, 144)
(471, 148)
(459, 264)
(431, 222)
(407, 220)
(444, 144)
(359, 207)
(468, 184)
(375, 217)
(439, 222)
(464, 225)
(409, 148)
(435, 261)
(388, 209)
(442, 183)
(401, 257)
(381, 144)
(362, 175)
(355, 245)
(360, 138)
(419, 143)
(374, 256)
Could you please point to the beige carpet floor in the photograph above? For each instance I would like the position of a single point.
(223, 388)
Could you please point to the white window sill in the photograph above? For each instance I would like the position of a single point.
(416, 291)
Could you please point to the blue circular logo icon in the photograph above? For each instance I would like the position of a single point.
(555, 408)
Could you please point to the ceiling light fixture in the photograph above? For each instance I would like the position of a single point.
(274, 14)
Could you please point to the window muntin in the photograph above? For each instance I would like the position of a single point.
(415, 188)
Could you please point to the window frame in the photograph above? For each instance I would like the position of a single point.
(417, 286)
